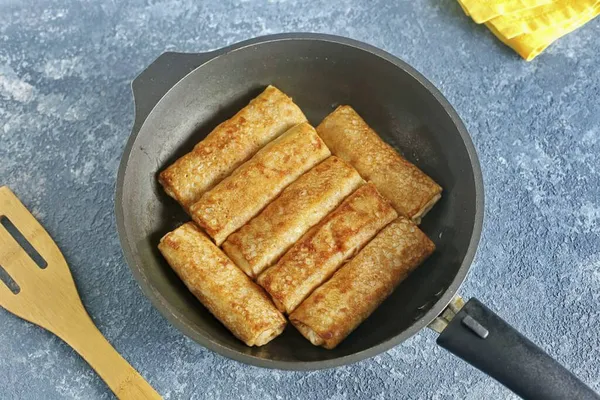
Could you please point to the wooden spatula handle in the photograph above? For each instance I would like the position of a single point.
(48, 297)
(125, 382)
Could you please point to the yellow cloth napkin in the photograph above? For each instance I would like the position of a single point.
(530, 30)
(530, 45)
(556, 14)
(484, 10)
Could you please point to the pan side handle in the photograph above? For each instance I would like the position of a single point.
(483, 339)
(160, 76)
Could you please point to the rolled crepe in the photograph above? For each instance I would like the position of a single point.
(259, 243)
(410, 190)
(240, 304)
(243, 194)
(312, 260)
(229, 145)
(335, 309)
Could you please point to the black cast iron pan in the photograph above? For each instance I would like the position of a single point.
(181, 97)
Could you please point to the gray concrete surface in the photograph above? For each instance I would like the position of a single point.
(65, 115)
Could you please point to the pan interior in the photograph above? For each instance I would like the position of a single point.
(319, 75)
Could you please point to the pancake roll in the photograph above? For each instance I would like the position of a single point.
(260, 243)
(233, 298)
(229, 145)
(410, 190)
(253, 185)
(323, 249)
(336, 308)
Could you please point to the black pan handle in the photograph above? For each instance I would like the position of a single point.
(483, 339)
(160, 76)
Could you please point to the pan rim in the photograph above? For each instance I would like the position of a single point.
(160, 303)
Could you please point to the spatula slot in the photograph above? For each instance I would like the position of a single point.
(8, 281)
(23, 242)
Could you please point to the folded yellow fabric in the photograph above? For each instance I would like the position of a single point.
(560, 13)
(484, 10)
(530, 45)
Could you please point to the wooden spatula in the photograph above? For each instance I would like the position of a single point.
(47, 297)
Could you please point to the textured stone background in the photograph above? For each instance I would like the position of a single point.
(65, 115)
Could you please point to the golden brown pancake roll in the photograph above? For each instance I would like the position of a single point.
(229, 145)
(335, 309)
(312, 260)
(410, 190)
(242, 195)
(240, 304)
(259, 243)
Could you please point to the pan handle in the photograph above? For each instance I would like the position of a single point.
(483, 339)
(160, 76)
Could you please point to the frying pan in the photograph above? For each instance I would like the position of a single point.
(180, 98)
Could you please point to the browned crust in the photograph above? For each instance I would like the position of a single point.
(349, 137)
(336, 308)
(259, 243)
(320, 252)
(229, 145)
(242, 195)
(241, 305)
